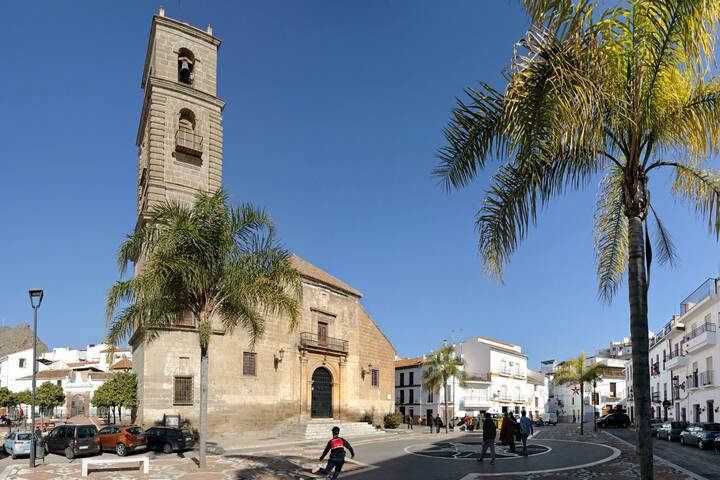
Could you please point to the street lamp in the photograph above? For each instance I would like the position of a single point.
(594, 406)
(36, 297)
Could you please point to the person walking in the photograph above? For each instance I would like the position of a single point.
(409, 421)
(489, 431)
(507, 431)
(336, 446)
(526, 429)
(430, 422)
(438, 423)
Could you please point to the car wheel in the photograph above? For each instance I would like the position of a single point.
(69, 453)
(669, 437)
(121, 450)
(167, 448)
(700, 445)
(47, 452)
(13, 456)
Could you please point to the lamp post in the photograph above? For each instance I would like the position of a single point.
(36, 297)
(594, 406)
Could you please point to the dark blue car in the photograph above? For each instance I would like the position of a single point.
(700, 435)
(169, 439)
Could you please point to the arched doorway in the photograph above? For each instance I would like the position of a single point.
(321, 405)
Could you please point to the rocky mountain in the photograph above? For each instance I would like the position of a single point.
(17, 338)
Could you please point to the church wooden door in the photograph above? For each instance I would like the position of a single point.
(321, 403)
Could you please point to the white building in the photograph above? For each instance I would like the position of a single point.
(13, 367)
(609, 392)
(684, 356)
(498, 381)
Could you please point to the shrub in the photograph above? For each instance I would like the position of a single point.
(393, 420)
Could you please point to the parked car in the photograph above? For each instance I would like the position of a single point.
(551, 418)
(73, 440)
(614, 420)
(122, 439)
(671, 430)
(18, 444)
(654, 425)
(169, 439)
(700, 434)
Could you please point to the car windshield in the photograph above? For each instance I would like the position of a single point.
(135, 430)
(86, 432)
(24, 436)
(713, 427)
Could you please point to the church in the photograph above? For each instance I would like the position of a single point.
(337, 366)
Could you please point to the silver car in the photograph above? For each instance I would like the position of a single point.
(18, 444)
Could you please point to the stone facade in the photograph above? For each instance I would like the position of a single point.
(335, 337)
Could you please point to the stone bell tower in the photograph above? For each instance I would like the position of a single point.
(180, 140)
(180, 132)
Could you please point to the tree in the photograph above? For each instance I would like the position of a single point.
(626, 92)
(7, 398)
(576, 371)
(215, 262)
(22, 398)
(102, 399)
(124, 390)
(49, 395)
(440, 366)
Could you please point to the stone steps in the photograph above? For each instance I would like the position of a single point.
(316, 430)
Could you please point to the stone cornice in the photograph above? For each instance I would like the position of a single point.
(154, 82)
(177, 25)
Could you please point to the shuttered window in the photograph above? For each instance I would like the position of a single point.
(249, 363)
(183, 390)
(375, 377)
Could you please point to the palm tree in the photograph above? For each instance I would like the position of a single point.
(576, 371)
(440, 366)
(214, 262)
(625, 92)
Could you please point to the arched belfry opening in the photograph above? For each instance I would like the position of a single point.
(186, 66)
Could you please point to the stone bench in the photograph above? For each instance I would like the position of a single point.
(113, 461)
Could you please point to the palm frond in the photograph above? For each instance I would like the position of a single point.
(611, 235)
(663, 242)
(700, 188)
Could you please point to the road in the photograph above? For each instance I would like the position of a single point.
(701, 462)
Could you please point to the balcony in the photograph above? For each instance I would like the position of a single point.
(504, 397)
(326, 345)
(655, 397)
(693, 381)
(675, 360)
(188, 142)
(519, 374)
(700, 337)
(505, 371)
(476, 402)
(705, 379)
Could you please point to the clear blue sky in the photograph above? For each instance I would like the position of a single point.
(334, 114)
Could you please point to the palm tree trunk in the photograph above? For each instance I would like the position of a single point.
(204, 360)
(582, 408)
(637, 286)
(446, 405)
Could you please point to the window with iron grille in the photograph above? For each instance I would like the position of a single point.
(249, 363)
(375, 377)
(183, 390)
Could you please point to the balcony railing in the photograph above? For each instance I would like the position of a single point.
(519, 373)
(188, 142)
(675, 360)
(504, 371)
(705, 378)
(705, 327)
(693, 380)
(312, 341)
(655, 396)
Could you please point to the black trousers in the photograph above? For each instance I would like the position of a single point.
(333, 463)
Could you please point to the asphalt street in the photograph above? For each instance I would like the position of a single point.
(701, 462)
(400, 459)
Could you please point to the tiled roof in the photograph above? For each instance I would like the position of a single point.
(49, 375)
(408, 362)
(122, 364)
(309, 270)
(478, 378)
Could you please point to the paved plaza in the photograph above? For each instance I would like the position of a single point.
(556, 453)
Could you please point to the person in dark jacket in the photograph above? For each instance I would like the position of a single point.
(489, 432)
(409, 421)
(438, 423)
(336, 446)
(507, 431)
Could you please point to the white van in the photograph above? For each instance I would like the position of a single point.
(551, 418)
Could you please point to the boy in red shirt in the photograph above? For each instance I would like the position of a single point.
(336, 446)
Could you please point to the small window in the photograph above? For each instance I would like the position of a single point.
(22, 362)
(375, 377)
(249, 363)
(402, 379)
(59, 383)
(183, 390)
(412, 379)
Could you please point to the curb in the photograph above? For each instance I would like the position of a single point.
(661, 460)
